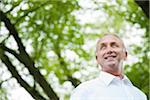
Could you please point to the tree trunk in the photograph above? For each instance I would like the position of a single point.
(24, 58)
(35, 94)
(144, 4)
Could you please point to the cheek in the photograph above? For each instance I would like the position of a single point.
(99, 60)
(99, 54)
(119, 50)
(121, 54)
(99, 57)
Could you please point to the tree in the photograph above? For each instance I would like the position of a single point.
(143, 65)
(45, 31)
(50, 26)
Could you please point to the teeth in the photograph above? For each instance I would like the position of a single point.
(110, 56)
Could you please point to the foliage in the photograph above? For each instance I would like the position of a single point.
(49, 28)
(3, 95)
(140, 71)
(49, 31)
(121, 12)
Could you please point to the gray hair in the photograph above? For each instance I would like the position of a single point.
(112, 34)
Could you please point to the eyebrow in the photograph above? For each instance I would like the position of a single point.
(103, 43)
(114, 43)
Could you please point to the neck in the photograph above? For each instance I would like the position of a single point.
(118, 75)
(115, 73)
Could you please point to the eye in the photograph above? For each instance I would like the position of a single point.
(114, 45)
(102, 47)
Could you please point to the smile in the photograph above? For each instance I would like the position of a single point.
(110, 57)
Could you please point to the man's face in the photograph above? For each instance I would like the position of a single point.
(110, 53)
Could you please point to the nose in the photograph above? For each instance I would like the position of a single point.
(109, 50)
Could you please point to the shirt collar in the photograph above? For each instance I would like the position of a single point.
(107, 78)
(126, 80)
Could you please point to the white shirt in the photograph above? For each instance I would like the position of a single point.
(107, 87)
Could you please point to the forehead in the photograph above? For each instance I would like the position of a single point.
(110, 39)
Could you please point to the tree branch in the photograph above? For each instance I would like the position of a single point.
(24, 58)
(33, 71)
(29, 11)
(13, 7)
(75, 82)
(144, 5)
(12, 31)
(35, 94)
(4, 81)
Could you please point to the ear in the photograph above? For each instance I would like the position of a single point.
(126, 54)
(96, 58)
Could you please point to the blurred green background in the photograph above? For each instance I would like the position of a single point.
(47, 47)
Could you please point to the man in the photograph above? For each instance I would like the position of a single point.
(111, 84)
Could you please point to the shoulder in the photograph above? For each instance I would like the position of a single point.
(140, 93)
(86, 85)
(83, 89)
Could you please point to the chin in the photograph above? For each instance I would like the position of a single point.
(112, 63)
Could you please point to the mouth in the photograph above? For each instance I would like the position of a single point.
(110, 57)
